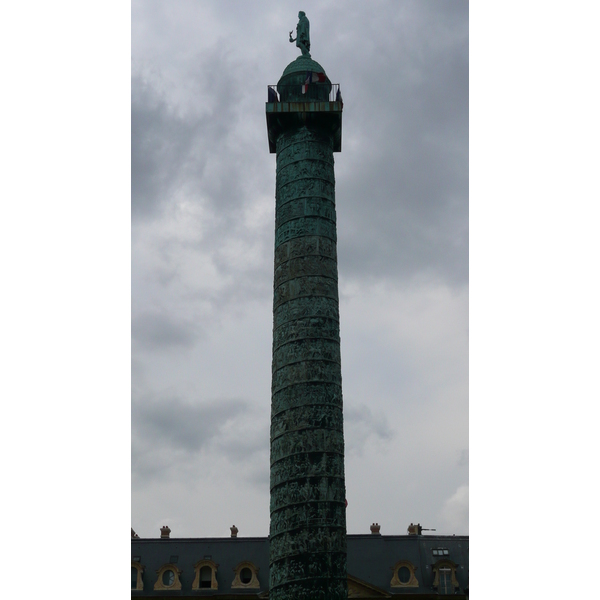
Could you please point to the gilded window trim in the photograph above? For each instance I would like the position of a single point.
(159, 585)
(213, 579)
(412, 582)
(237, 582)
(140, 570)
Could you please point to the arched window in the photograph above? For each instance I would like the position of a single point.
(137, 569)
(444, 577)
(404, 575)
(246, 576)
(205, 575)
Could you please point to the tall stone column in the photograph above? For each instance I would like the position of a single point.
(308, 512)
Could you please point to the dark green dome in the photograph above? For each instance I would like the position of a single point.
(299, 67)
(291, 84)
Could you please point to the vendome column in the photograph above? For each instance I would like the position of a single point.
(308, 510)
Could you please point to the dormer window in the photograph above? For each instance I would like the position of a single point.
(444, 577)
(168, 578)
(404, 575)
(137, 569)
(205, 575)
(246, 576)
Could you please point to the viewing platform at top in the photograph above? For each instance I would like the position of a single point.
(304, 104)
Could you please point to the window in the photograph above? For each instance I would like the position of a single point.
(205, 575)
(168, 578)
(445, 584)
(444, 576)
(246, 576)
(404, 575)
(137, 569)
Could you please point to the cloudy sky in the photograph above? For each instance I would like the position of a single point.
(203, 185)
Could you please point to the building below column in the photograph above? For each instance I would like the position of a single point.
(379, 566)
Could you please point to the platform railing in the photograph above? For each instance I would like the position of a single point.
(311, 92)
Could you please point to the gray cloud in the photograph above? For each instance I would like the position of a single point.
(165, 427)
(161, 143)
(182, 425)
(410, 139)
(361, 424)
(454, 514)
(159, 330)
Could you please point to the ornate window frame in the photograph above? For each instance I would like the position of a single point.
(176, 585)
(140, 570)
(213, 580)
(237, 582)
(412, 582)
(444, 564)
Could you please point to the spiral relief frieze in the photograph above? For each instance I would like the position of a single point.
(303, 394)
(303, 350)
(304, 247)
(307, 328)
(305, 226)
(308, 518)
(305, 207)
(298, 442)
(301, 308)
(305, 266)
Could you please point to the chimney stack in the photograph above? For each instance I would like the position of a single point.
(234, 531)
(164, 532)
(375, 529)
(415, 529)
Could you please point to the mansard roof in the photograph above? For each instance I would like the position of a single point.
(371, 562)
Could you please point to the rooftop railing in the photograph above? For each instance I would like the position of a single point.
(311, 92)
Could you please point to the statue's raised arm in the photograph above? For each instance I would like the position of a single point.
(302, 38)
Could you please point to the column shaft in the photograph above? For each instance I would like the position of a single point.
(308, 516)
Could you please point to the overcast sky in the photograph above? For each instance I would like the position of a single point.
(203, 185)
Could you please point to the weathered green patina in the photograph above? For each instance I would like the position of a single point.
(302, 38)
(300, 105)
(308, 513)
